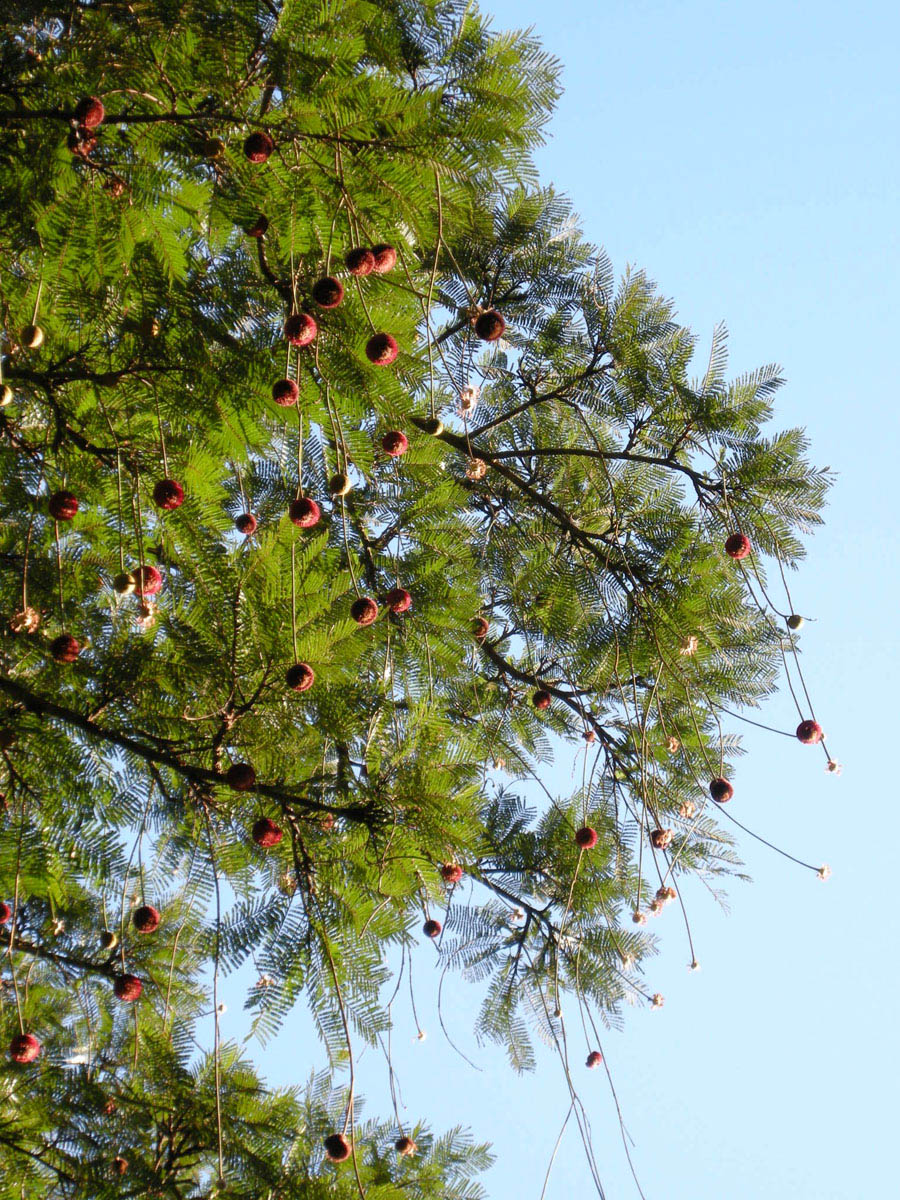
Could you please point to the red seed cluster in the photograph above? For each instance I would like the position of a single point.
(62, 506)
(146, 919)
(258, 146)
(594, 1059)
(381, 349)
(5, 912)
(385, 258)
(810, 732)
(405, 1146)
(300, 329)
(168, 494)
(431, 928)
(90, 112)
(65, 648)
(661, 839)
(328, 292)
(398, 600)
(300, 677)
(266, 833)
(541, 699)
(586, 838)
(127, 988)
(490, 325)
(304, 512)
(285, 392)
(451, 872)
(149, 580)
(395, 443)
(246, 524)
(337, 1147)
(360, 261)
(480, 628)
(737, 545)
(721, 790)
(364, 610)
(240, 776)
(24, 1048)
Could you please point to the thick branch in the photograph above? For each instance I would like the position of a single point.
(46, 707)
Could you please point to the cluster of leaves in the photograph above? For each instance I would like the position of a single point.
(567, 487)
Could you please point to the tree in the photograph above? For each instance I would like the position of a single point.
(342, 483)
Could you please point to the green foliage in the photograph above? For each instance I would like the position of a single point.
(577, 499)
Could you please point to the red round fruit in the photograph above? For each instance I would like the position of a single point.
(586, 838)
(405, 1146)
(328, 292)
(337, 1147)
(395, 443)
(398, 600)
(721, 790)
(245, 523)
(737, 545)
(258, 228)
(490, 325)
(127, 988)
(300, 677)
(360, 261)
(661, 839)
(24, 1048)
(146, 918)
(266, 833)
(149, 580)
(285, 392)
(594, 1059)
(300, 329)
(258, 146)
(304, 512)
(168, 494)
(431, 928)
(381, 349)
(451, 872)
(90, 112)
(119, 1165)
(810, 732)
(385, 257)
(480, 628)
(5, 912)
(63, 506)
(240, 776)
(541, 699)
(65, 648)
(364, 610)
(589, 736)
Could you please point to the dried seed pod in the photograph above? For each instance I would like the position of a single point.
(661, 839)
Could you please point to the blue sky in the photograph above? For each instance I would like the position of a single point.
(746, 156)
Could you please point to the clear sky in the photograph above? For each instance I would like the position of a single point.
(745, 155)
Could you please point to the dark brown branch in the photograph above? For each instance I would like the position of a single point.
(46, 707)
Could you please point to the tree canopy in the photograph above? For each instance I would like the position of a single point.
(343, 485)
